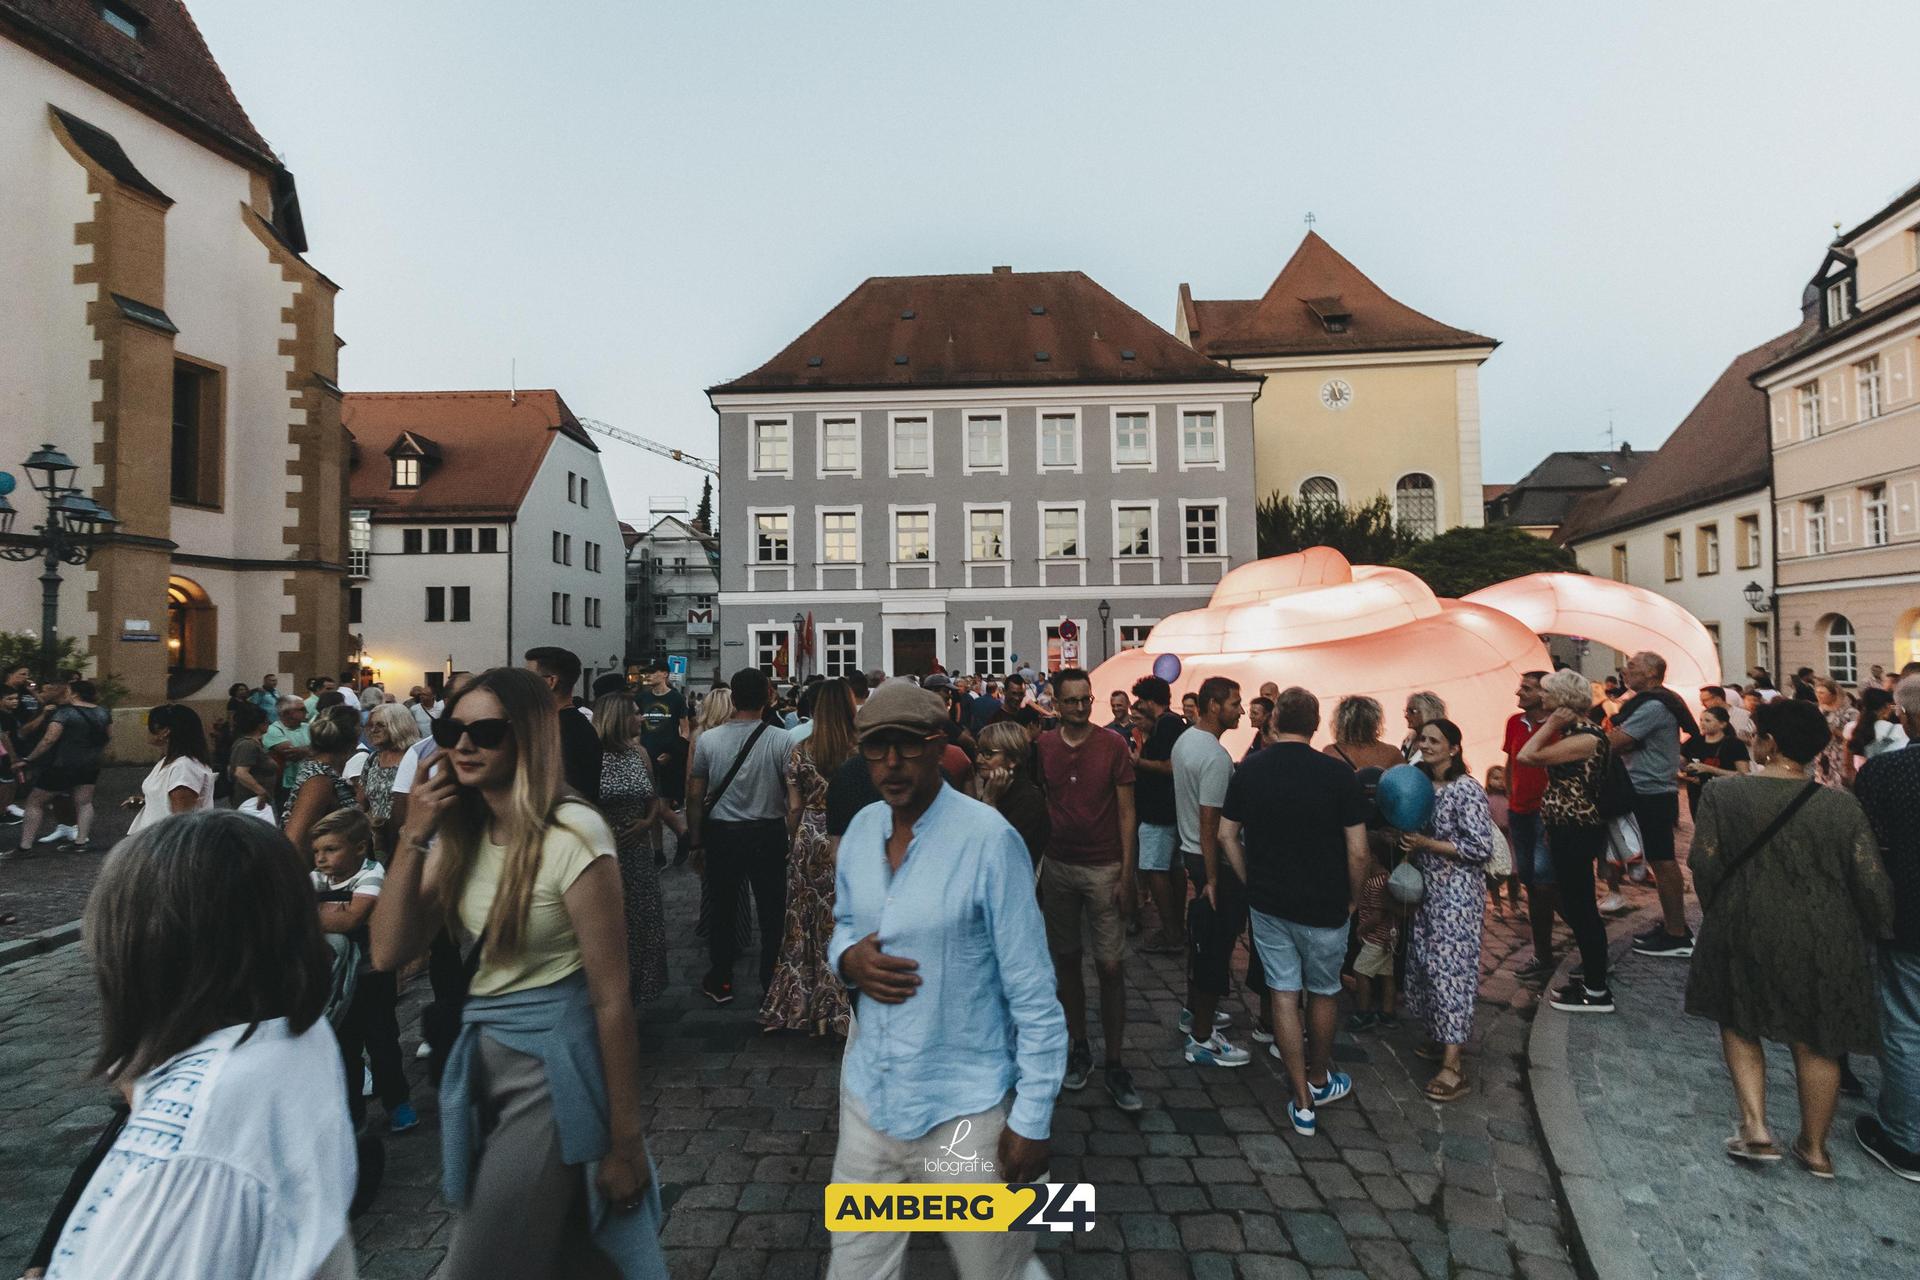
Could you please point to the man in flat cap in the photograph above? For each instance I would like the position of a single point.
(958, 1042)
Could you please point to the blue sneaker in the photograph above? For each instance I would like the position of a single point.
(1339, 1084)
(403, 1118)
(1303, 1121)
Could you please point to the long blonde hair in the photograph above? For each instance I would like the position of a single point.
(716, 709)
(534, 801)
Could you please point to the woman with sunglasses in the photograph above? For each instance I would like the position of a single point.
(544, 1154)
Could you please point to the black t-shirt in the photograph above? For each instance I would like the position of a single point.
(1153, 792)
(661, 717)
(1724, 754)
(849, 791)
(1294, 805)
(580, 753)
(84, 734)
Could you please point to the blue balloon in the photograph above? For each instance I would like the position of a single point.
(6, 483)
(1167, 667)
(1405, 797)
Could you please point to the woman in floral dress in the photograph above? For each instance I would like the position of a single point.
(1836, 704)
(631, 805)
(1443, 948)
(805, 994)
(391, 732)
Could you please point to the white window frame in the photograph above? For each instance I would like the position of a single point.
(1006, 538)
(1814, 513)
(821, 470)
(1759, 638)
(754, 564)
(967, 465)
(1811, 409)
(1439, 505)
(1152, 415)
(1121, 624)
(1155, 549)
(894, 419)
(411, 463)
(820, 562)
(1221, 551)
(1869, 388)
(771, 627)
(756, 421)
(1839, 298)
(932, 562)
(1040, 417)
(1673, 555)
(1079, 508)
(1219, 412)
(359, 543)
(1080, 658)
(970, 630)
(1850, 644)
(1875, 511)
(1709, 550)
(859, 643)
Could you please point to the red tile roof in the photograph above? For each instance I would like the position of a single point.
(1720, 449)
(983, 330)
(490, 445)
(168, 70)
(1291, 318)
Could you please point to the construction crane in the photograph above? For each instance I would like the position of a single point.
(651, 446)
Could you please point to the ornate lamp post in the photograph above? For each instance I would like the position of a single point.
(1760, 600)
(1106, 612)
(73, 526)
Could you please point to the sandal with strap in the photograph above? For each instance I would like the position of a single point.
(1752, 1152)
(1438, 1092)
(1823, 1171)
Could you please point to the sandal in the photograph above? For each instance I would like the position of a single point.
(1752, 1152)
(1437, 1092)
(1429, 1052)
(1822, 1171)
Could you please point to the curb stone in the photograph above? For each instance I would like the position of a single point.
(35, 944)
(1599, 1228)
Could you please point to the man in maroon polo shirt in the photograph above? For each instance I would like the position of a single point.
(1089, 868)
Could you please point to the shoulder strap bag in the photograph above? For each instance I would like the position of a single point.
(1773, 829)
(713, 797)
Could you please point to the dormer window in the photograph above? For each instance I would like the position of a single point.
(406, 473)
(1839, 301)
(1332, 312)
(122, 19)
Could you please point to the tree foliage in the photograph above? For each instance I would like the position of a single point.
(1464, 560)
(22, 649)
(703, 514)
(1364, 534)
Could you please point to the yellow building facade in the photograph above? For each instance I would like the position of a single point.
(1364, 396)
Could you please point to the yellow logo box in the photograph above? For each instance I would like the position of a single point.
(959, 1206)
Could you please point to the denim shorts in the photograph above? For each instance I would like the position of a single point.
(1299, 957)
(1524, 830)
(1158, 845)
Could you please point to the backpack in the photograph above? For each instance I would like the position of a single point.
(1616, 788)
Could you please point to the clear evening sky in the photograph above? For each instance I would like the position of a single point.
(636, 200)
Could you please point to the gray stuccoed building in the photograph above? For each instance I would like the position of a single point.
(945, 469)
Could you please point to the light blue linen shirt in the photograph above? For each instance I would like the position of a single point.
(985, 1018)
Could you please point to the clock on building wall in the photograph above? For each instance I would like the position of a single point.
(1335, 393)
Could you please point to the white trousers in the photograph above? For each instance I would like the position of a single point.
(867, 1155)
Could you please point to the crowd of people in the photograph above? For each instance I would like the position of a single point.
(923, 867)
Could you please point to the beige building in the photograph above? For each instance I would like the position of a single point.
(1364, 395)
(1845, 421)
(162, 328)
(1694, 523)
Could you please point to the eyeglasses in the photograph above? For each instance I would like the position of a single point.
(908, 748)
(1075, 702)
(486, 734)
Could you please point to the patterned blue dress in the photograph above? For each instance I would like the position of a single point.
(1443, 942)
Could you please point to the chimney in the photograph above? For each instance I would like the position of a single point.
(1003, 271)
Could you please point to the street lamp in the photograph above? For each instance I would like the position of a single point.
(73, 525)
(1105, 611)
(1760, 600)
(799, 621)
(1756, 597)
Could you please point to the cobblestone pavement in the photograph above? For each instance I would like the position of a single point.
(49, 888)
(1209, 1181)
(1658, 1103)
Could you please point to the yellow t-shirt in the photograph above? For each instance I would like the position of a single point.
(549, 950)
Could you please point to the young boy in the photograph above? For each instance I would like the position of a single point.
(1373, 967)
(349, 880)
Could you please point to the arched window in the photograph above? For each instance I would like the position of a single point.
(1843, 650)
(1319, 492)
(192, 638)
(1416, 508)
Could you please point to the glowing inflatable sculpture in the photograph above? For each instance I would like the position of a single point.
(1313, 620)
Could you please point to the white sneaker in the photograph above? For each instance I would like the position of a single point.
(424, 1052)
(1613, 904)
(1215, 1051)
(15, 813)
(59, 835)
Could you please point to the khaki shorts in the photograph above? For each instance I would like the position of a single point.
(1374, 961)
(1067, 892)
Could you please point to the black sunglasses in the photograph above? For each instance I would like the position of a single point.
(486, 734)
